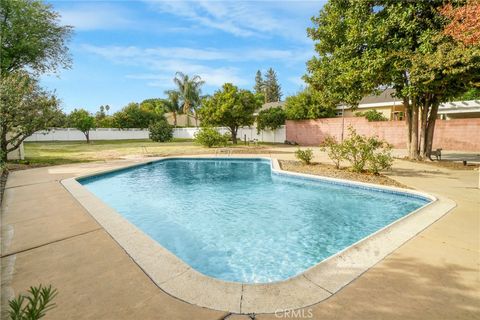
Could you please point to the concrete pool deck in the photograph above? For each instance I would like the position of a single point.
(47, 237)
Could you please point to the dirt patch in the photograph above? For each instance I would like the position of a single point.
(327, 170)
(448, 164)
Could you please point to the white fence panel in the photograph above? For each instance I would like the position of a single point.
(69, 134)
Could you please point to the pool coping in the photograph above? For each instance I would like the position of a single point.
(314, 285)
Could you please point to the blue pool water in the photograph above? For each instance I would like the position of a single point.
(235, 220)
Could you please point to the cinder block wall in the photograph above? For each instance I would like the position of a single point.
(455, 134)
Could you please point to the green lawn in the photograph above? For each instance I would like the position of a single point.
(60, 152)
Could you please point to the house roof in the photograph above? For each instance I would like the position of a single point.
(269, 105)
(383, 99)
(385, 96)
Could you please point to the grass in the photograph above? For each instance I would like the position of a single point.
(63, 152)
(60, 152)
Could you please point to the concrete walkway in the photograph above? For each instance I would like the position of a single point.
(47, 237)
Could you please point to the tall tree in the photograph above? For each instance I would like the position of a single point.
(307, 104)
(362, 45)
(259, 84)
(273, 91)
(135, 115)
(83, 121)
(31, 37)
(190, 90)
(229, 107)
(172, 104)
(31, 40)
(24, 108)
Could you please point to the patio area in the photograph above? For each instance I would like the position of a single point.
(48, 238)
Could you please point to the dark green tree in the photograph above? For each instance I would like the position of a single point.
(161, 131)
(190, 92)
(31, 37)
(270, 119)
(102, 120)
(24, 108)
(135, 115)
(363, 45)
(229, 107)
(273, 91)
(83, 121)
(259, 84)
(172, 104)
(307, 104)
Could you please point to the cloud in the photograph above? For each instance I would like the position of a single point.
(243, 18)
(297, 80)
(96, 16)
(161, 63)
(122, 53)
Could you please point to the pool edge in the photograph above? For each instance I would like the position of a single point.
(314, 285)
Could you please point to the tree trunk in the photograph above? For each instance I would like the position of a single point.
(174, 119)
(424, 107)
(408, 120)
(413, 150)
(87, 135)
(234, 135)
(432, 118)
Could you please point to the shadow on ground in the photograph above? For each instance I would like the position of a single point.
(402, 289)
(430, 173)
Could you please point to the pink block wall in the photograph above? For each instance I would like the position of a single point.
(456, 134)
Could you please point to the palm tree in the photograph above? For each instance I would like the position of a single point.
(173, 104)
(189, 90)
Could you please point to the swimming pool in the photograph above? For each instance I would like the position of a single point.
(237, 220)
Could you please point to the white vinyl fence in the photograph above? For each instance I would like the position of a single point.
(277, 136)
(69, 134)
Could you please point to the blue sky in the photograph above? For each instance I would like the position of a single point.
(126, 51)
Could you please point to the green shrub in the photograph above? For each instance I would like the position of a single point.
(381, 158)
(305, 156)
(34, 305)
(161, 131)
(335, 150)
(372, 115)
(362, 151)
(210, 137)
(270, 119)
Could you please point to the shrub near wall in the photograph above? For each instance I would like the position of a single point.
(363, 153)
(161, 131)
(210, 137)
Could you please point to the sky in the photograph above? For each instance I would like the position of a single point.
(128, 51)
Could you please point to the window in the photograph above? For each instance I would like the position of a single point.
(397, 115)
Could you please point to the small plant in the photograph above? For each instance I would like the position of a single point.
(34, 305)
(356, 150)
(372, 115)
(335, 150)
(381, 158)
(210, 137)
(305, 156)
(161, 131)
(362, 151)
